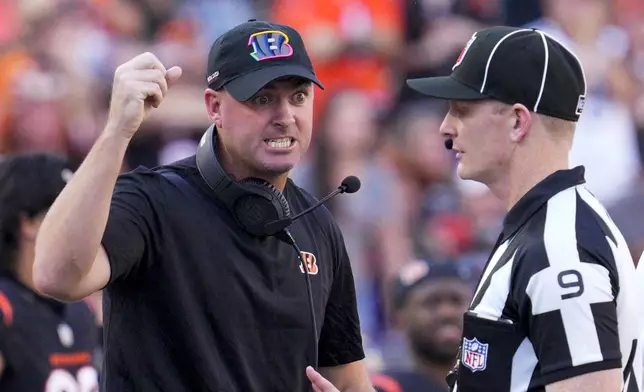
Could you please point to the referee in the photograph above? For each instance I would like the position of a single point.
(556, 306)
(203, 290)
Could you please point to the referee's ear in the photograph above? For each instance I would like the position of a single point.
(522, 122)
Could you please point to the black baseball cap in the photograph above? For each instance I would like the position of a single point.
(514, 65)
(249, 56)
(417, 272)
(31, 182)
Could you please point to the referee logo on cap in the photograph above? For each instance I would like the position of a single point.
(464, 51)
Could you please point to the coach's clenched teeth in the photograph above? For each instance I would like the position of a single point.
(284, 142)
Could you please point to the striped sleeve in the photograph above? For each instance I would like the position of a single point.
(566, 290)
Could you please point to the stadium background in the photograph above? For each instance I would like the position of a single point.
(57, 59)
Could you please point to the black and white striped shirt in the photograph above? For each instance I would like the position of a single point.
(557, 298)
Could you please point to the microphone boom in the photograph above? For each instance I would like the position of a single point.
(350, 184)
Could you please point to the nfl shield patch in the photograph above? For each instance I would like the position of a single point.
(474, 354)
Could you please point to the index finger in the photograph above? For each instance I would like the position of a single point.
(148, 60)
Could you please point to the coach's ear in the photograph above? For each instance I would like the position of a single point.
(522, 118)
(213, 105)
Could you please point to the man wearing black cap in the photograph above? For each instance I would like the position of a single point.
(45, 345)
(429, 302)
(555, 308)
(203, 290)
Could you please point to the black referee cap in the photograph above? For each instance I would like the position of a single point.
(514, 65)
(253, 54)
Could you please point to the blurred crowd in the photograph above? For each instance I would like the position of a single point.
(57, 59)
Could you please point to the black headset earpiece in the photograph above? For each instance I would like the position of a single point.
(253, 202)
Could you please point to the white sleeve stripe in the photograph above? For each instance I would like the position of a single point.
(589, 199)
(596, 282)
(496, 258)
(523, 364)
(493, 302)
(560, 240)
(620, 251)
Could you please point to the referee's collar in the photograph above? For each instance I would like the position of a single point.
(536, 197)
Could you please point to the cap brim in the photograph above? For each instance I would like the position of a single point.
(245, 86)
(445, 87)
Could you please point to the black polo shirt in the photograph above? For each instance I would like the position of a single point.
(196, 304)
(557, 298)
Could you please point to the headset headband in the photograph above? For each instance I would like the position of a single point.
(211, 171)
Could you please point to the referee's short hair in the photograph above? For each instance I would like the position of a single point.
(29, 184)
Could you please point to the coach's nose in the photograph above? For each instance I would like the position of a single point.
(284, 114)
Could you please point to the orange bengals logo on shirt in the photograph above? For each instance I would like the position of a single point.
(311, 263)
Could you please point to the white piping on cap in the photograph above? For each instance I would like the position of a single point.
(489, 59)
(545, 70)
(583, 74)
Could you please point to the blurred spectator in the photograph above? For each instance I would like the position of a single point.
(605, 141)
(352, 43)
(635, 63)
(628, 215)
(520, 12)
(424, 170)
(44, 344)
(435, 32)
(485, 210)
(429, 300)
(626, 211)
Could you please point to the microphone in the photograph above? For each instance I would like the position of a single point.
(350, 184)
(449, 143)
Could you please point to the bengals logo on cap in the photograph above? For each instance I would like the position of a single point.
(270, 44)
(461, 56)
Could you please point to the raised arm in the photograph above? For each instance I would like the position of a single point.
(70, 262)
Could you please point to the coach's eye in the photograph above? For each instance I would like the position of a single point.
(261, 100)
(299, 98)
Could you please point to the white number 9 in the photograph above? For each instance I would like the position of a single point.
(61, 380)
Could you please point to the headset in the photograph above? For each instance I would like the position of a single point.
(253, 202)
